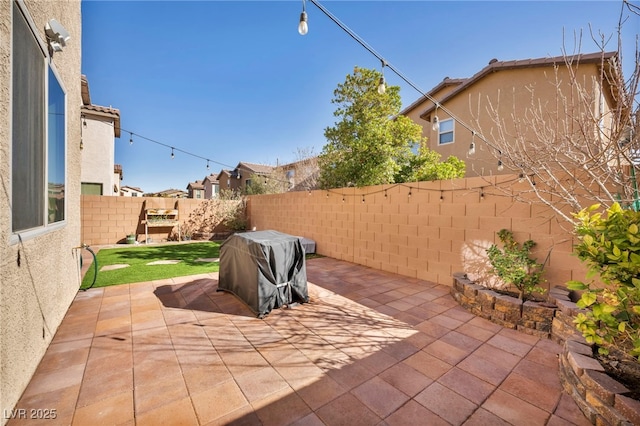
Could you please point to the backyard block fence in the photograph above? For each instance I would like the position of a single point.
(108, 220)
(423, 230)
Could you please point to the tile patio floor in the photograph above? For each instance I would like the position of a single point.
(372, 348)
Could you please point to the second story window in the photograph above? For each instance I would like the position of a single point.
(445, 134)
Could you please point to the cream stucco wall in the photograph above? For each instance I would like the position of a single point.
(503, 95)
(39, 276)
(98, 154)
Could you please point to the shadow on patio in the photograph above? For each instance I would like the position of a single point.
(371, 348)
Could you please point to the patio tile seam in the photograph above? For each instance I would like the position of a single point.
(91, 349)
(166, 327)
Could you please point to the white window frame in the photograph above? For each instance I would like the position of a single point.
(452, 131)
(47, 65)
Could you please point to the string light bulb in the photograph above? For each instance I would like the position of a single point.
(130, 138)
(303, 27)
(436, 120)
(172, 154)
(382, 85)
(441, 195)
(436, 124)
(472, 147)
(500, 166)
(208, 165)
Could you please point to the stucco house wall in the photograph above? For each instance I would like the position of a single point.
(98, 154)
(39, 273)
(503, 90)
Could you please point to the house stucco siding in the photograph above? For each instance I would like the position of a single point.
(98, 154)
(39, 276)
(494, 103)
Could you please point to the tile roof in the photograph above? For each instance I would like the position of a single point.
(97, 110)
(213, 178)
(256, 168)
(133, 188)
(495, 66)
(196, 185)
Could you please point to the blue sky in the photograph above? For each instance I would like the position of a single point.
(233, 81)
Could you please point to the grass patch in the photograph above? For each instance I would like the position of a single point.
(139, 256)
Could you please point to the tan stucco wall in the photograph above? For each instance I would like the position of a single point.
(420, 236)
(38, 277)
(500, 95)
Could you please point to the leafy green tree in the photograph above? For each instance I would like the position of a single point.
(427, 166)
(372, 144)
(274, 183)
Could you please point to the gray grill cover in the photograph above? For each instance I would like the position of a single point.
(265, 269)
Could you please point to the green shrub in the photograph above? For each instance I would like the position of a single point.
(514, 266)
(610, 248)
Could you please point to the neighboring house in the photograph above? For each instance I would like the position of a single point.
(500, 91)
(302, 175)
(40, 136)
(117, 178)
(240, 177)
(131, 191)
(211, 186)
(169, 193)
(226, 182)
(195, 190)
(100, 127)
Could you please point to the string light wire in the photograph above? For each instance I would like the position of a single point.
(365, 45)
(387, 64)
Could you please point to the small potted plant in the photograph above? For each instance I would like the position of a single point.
(131, 238)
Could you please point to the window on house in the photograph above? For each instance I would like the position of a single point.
(38, 108)
(87, 188)
(27, 172)
(56, 146)
(445, 134)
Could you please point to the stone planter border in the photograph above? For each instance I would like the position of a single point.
(600, 398)
(510, 312)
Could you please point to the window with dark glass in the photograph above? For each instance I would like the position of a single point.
(445, 135)
(27, 158)
(56, 149)
(38, 145)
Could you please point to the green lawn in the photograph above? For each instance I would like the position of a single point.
(137, 257)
